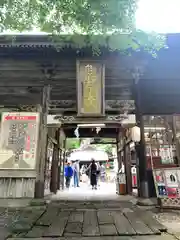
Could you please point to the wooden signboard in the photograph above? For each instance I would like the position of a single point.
(19, 138)
(90, 86)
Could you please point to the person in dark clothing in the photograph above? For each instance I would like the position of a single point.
(68, 173)
(93, 174)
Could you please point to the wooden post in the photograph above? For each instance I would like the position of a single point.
(64, 158)
(141, 146)
(118, 141)
(61, 145)
(59, 169)
(127, 166)
(54, 167)
(46, 164)
(42, 147)
(52, 170)
(176, 139)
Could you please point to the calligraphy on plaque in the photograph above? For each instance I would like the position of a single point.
(19, 138)
(90, 77)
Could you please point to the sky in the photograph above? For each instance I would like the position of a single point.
(162, 16)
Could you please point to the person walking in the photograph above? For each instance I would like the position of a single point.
(68, 173)
(98, 173)
(76, 173)
(102, 173)
(93, 174)
(83, 173)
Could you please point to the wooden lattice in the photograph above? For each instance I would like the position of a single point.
(170, 202)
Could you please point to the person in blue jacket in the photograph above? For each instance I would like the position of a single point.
(68, 173)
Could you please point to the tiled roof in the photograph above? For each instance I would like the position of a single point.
(29, 41)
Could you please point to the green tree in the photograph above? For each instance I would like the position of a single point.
(72, 143)
(106, 23)
(105, 147)
(108, 149)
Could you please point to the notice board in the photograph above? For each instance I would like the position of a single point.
(18, 140)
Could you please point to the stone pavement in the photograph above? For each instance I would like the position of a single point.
(81, 220)
(106, 191)
(162, 237)
(171, 220)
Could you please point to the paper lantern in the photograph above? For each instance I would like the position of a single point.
(135, 134)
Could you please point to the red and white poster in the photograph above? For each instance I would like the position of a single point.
(18, 140)
(167, 182)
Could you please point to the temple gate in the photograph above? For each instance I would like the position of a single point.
(77, 89)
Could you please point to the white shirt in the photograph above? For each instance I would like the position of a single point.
(76, 166)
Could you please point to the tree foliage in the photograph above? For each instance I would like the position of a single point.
(72, 143)
(107, 148)
(109, 23)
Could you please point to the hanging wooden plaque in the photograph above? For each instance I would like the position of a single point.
(90, 87)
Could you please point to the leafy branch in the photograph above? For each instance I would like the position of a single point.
(102, 23)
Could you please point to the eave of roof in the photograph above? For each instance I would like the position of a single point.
(45, 40)
(29, 41)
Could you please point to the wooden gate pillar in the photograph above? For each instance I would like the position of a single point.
(64, 159)
(141, 147)
(59, 169)
(119, 145)
(54, 166)
(60, 164)
(176, 136)
(127, 166)
(42, 144)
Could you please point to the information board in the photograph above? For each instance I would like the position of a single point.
(18, 140)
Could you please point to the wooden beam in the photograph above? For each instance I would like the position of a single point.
(74, 125)
(108, 119)
(104, 133)
(96, 143)
(54, 141)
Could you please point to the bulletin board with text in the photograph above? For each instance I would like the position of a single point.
(18, 140)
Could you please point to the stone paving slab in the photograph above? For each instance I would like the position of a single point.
(58, 221)
(170, 220)
(17, 222)
(162, 237)
(95, 219)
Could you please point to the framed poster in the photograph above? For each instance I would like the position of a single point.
(160, 183)
(18, 140)
(167, 182)
(172, 183)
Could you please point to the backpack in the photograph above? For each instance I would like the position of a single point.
(69, 172)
